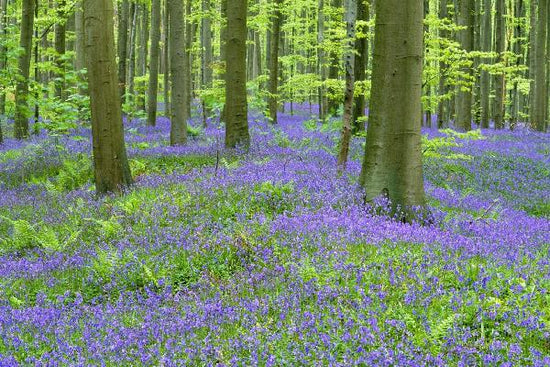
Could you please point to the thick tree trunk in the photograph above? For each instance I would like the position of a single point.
(464, 97)
(111, 168)
(540, 96)
(236, 110)
(392, 165)
(485, 87)
(274, 63)
(361, 62)
(153, 64)
(178, 118)
(349, 63)
(60, 45)
(22, 111)
(122, 43)
(500, 39)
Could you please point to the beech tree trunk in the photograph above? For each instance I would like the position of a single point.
(60, 45)
(3, 54)
(500, 38)
(443, 106)
(274, 63)
(153, 64)
(349, 63)
(165, 59)
(236, 108)
(178, 118)
(464, 97)
(122, 43)
(321, 67)
(540, 94)
(392, 164)
(111, 168)
(22, 111)
(361, 62)
(142, 54)
(485, 84)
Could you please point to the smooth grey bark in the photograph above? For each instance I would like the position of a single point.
(206, 43)
(111, 169)
(132, 51)
(165, 59)
(274, 63)
(142, 53)
(236, 108)
(443, 106)
(540, 96)
(80, 59)
(464, 97)
(485, 84)
(392, 164)
(22, 111)
(531, 55)
(122, 46)
(153, 63)
(178, 117)
(333, 71)
(60, 46)
(519, 13)
(500, 39)
(321, 67)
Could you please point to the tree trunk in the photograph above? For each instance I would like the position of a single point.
(321, 68)
(274, 63)
(532, 57)
(178, 118)
(3, 54)
(80, 61)
(142, 54)
(22, 112)
(333, 103)
(165, 59)
(206, 41)
(539, 111)
(122, 43)
(349, 63)
(153, 64)
(485, 87)
(111, 168)
(132, 52)
(189, 37)
(464, 97)
(519, 13)
(236, 110)
(361, 61)
(443, 106)
(392, 164)
(500, 89)
(60, 45)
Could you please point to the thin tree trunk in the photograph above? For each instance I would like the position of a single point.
(132, 51)
(485, 87)
(532, 57)
(392, 164)
(122, 50)
(142, 54)
(443, 106)
(153, 64)
(500, 38)
(189, 35)
(3, 53)
(321, 68)
(464, 97)
(349, 62)
(274, 63)
(333, 103)
(60, 44)
(236, 115)
(22, 112)
(111, 168)
(361, 63)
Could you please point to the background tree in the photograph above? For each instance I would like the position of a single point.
(111, 169)
(153, 64)
(392, 163)
(22, 111)
(466, 36)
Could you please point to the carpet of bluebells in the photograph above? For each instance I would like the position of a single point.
(271, 258)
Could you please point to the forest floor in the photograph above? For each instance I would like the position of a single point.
(270, 258)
